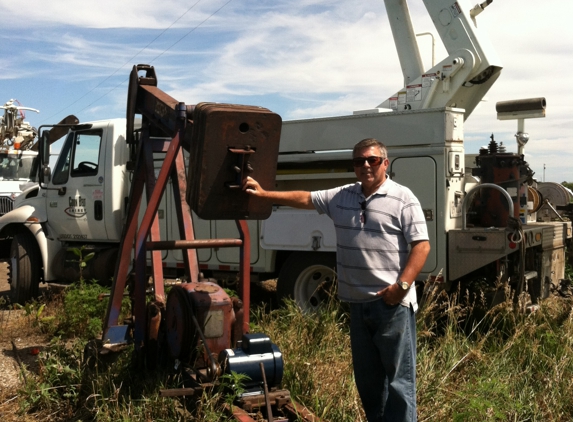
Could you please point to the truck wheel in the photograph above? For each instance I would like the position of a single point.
(308, 278)
(24, 268)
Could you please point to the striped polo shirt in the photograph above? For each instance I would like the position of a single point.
(373, 250)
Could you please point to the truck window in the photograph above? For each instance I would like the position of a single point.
(86, 154)
(61, 171)
(15, 166)
(79, 156)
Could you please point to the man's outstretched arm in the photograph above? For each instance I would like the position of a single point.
(294, 198)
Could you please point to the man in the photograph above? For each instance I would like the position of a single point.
(375, 220)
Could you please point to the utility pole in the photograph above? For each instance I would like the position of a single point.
(543, 172)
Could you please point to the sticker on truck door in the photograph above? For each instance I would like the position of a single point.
(97, 195)
(77, 207)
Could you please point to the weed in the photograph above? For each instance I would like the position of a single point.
(83, 308)
(58, 383)
(82, 259)
(233, 386)
(317, 357)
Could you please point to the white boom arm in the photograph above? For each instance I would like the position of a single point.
(463, 78)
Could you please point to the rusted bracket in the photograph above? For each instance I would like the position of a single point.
(291, 411)
(243, 166)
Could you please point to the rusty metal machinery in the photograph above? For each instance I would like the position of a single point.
(232, 148)
(202, 330)
(507, 170)
(532, 201)
(516, 229)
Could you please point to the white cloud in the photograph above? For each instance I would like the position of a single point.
(149, 14)
(306, 58)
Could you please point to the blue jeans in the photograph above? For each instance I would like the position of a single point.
(383, 340)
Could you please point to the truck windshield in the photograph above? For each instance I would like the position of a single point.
(15, 166)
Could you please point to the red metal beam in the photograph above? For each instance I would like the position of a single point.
(194, 244)
(244, 272)
(186, 231)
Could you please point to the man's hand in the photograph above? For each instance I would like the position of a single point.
(393, 294)
(252, 187)
(295, 198)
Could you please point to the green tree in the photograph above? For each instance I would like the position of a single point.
(568, 185)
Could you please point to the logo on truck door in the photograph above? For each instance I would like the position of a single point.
(77, 207)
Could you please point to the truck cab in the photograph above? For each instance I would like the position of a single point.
(88, 183)
(77, 204)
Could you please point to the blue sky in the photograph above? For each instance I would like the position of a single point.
(299, 58)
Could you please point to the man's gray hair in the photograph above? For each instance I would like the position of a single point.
(370, 142)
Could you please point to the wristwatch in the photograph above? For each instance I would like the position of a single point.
(403, 285)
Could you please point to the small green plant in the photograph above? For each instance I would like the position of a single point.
(59, 379)
(233, 385)
(83, 304)
(32, 308)
(82, 259)
(83, 310)
(33, 311)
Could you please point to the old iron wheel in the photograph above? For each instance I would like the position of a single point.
(178, 326)
(308, 278)
(25, 268)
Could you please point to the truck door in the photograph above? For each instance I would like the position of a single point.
(75, 202)
(419, 175)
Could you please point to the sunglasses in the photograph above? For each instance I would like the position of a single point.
(363, 213)
(373, 161)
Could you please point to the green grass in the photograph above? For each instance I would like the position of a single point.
(516, 366)
(507, 366)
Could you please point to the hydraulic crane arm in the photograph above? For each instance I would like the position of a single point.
(463, 78)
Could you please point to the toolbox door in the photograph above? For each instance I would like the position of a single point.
(419, 175)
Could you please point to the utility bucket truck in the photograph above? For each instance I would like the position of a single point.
(488, 219)
(16, 155)
(18, 152)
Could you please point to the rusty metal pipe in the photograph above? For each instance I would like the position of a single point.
(193, 244)
(484, 185)
(266, 390)
(238, 325)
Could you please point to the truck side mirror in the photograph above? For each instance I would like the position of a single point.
(45, 172)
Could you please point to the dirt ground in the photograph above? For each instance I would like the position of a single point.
(19, 341)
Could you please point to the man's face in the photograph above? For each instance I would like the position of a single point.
(371, 176)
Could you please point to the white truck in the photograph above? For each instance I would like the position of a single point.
(16, 138)
(481, 228)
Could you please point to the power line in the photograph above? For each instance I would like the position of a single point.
(192, 30)
(130, 60)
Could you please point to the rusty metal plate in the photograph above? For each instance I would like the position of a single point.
(229, 143)
(207, 288)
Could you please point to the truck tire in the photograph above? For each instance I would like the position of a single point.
(24, 268)
(309, 278)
